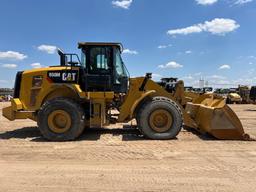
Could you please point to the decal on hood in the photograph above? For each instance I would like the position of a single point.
(62, 76)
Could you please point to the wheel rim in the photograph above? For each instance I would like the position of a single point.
(59, 121)
(160, 120)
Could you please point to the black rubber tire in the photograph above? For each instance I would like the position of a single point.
(148, 107)
(75, 111)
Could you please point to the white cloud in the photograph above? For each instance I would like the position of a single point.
(217, 26)
(217, 80)
(220, 82)
(252, 57)
(50, 49)
(9, 66)
(220, 26)
(188, 52)
(36, 65)
(243, 81)
(156, 75)
(225, 67)
(125, 4)
(206, 2)
(131, 52)
(211, 2)
(216, 77)
(164, 46)
(211, 80)
(172, 64)
(192, 79)
(12, 55)
(189, 77)
(185, 31)
(241, 2)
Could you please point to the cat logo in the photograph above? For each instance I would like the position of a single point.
(61, 76)
(68, 76)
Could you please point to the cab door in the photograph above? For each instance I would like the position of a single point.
(99, 69)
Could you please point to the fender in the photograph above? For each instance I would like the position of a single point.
(60, 90)
(132, 101)
(137, 102)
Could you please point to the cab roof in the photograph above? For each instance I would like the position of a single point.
(85, 44)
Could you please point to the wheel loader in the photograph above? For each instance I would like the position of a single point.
(95, 90)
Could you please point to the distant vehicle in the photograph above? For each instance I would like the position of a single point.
(222, 92)
(244, 92)
(233, 97)
(230, 94)
(207, 89)
(6, 94)
(197, 90)
(188, 88)
(253, 94)
(168, 83)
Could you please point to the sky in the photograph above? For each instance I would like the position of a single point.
(212, 40)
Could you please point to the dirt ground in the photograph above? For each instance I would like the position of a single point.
(118, 159)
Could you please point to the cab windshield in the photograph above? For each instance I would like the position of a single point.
(120, 68)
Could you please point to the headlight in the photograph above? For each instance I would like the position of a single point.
(37, 81)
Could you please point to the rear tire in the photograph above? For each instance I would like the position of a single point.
(160, 118)
(61, 119)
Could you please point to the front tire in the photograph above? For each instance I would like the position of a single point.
(61, 119)
(160, 118)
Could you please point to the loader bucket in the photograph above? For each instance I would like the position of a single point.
(213, 116)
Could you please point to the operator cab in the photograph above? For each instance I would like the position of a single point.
(101, 67)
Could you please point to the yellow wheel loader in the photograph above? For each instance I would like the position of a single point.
(233, 97)
(95, 91)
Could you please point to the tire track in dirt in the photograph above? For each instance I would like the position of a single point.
(116, 159)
